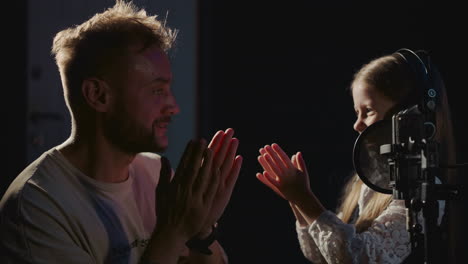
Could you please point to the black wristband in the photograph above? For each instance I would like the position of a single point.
(202, 245)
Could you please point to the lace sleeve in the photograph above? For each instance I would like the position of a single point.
(308, 246)
(386, 241)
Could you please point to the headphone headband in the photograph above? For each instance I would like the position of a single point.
(420, 64)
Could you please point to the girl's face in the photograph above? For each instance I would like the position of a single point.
(369, 104)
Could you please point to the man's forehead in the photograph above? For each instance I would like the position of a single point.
(155, 54)
(151, 53)
(152, 61)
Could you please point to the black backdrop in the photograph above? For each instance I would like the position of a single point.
(278, 72)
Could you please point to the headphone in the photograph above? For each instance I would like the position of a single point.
(420, 64)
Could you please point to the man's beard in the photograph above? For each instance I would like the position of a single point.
(129, 137)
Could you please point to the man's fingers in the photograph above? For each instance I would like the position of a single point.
(195, 161)
(227, 164)
(187, 152)
(212, 183)
(204, 174)
(214, 144)
(184, 162)
(220, 152)
(234, 173)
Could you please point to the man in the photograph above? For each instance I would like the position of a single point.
(95, 197)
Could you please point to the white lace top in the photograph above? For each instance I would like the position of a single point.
(329, 240)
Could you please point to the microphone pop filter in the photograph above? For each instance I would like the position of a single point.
(370, 165)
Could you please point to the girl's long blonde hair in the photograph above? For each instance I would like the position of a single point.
(377, 203)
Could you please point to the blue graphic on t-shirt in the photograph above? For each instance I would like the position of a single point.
(120, 246)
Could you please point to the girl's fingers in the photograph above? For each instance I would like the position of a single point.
(276, 159)
(261, 177)
(271, 179)
(266, 166)
(301, 163)
(282, 155)
(294, 160)
(275, 169)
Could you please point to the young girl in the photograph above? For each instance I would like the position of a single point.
(370, 227)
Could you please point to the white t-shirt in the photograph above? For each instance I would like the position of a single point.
(53, 213)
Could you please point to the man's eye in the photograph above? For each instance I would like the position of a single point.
(370, 111)
(158, 91)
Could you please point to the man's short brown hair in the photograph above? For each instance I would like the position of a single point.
(95, 47)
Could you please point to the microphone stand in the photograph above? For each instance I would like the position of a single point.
(413, 169)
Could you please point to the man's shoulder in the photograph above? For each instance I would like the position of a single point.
(43, 179)
(33, 172)
(32, 185)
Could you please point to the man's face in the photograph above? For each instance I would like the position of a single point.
(143, 104)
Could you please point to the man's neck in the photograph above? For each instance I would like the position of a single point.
(97, 159)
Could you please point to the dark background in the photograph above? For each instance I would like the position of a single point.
(278, 72)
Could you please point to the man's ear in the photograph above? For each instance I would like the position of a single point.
(96, 93)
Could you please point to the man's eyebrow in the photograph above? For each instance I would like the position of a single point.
(160, 80)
